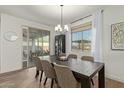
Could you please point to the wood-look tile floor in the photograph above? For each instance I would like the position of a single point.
(26, 79)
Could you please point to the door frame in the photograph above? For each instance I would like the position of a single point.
(27, 28)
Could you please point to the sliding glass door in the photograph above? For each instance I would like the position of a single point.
(37, 44)
(45, 43)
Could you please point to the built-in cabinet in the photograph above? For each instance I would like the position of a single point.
(59, 44)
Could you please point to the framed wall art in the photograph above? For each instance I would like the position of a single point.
(117, 36)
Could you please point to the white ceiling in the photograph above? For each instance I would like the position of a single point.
(49, 14)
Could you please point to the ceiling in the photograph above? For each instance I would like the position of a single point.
(49, 14)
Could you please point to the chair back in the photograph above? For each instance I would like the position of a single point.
(62, 54)
(38, 63)
(72, 56)
(65, 77)
(87, 58)
(48, 69)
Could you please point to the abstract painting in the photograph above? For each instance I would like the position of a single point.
(117, 36)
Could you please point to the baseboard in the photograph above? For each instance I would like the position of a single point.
(115, 78)
(10, 72)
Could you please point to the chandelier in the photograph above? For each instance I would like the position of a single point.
(60, 27)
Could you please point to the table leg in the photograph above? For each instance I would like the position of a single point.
(37, 73)
(85, 83)
(101, 78)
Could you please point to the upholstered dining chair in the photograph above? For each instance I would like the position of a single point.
(39, 68)
(49, 72)
(72, 56)
(62, 54)
(65, 77)
(88, 58)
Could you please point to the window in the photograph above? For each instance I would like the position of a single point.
(86, 44)
(76, 40)
(81, 37)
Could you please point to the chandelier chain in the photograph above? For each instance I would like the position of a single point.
(60, 27)
(61, 15)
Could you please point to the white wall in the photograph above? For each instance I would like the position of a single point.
(0, 45)
(52, 39)
(114, 60)
(11, 52)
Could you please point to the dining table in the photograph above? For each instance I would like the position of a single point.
(83, 71)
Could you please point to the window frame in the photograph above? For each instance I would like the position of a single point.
(81, 41)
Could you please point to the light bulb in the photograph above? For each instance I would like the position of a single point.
(66, 27)
(60, 29)
(56, 28)
(59, 26)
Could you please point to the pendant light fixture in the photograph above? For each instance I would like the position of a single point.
(60, 27)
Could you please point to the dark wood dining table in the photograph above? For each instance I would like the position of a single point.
(83, 71)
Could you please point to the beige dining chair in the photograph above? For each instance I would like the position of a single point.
(62, 54)
(88, 58)
(72, 56)
(49, 72)
(65, 77)
(39, 67)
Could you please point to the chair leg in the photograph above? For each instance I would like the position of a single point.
(37, 73)
(45, 80)
(41, 76)
(57, 83)
(92, 82)
(52, 81)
